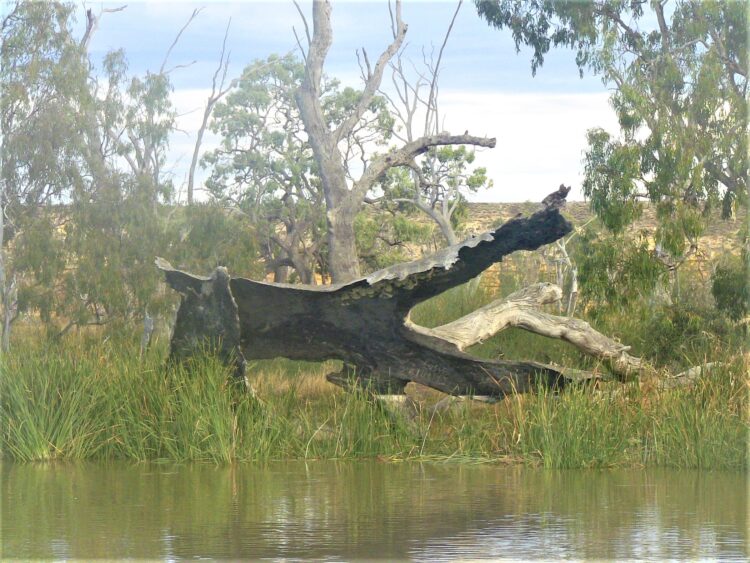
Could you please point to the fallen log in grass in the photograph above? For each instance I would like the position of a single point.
(365, 323)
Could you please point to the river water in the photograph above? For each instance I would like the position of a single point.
(367, 510)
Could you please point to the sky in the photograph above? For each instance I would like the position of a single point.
(485, 86)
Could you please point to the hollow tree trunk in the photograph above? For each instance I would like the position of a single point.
(364, 322)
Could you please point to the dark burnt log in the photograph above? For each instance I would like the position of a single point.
(365, 323)
(207, 318)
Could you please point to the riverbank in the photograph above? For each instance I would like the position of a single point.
(88, 399)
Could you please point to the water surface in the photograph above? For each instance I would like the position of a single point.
(358, 510)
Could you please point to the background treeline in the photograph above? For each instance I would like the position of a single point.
(88, 197)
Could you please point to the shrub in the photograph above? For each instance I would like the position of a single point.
(731, 289)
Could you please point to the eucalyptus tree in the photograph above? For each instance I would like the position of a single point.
(117, 215)
(265, 170)
(679, 74)
(438, 185)
(83, 179)
(43, 80)
(339, 140)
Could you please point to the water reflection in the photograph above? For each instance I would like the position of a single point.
(335, 511)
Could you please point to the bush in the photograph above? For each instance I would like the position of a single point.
(731, 289)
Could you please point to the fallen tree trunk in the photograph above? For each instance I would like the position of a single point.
(364, 322)
(520, 310)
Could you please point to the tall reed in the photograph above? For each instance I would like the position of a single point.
(93, 399)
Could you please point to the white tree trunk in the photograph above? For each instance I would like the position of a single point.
(520, 310)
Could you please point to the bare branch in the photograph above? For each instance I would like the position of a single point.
(304, 21)
(299, 44)
(520, 310)
(404, 155)
(374, 79)
(431, 101)
(92, 22)
(320, 43)
(177, 67)
(213, 98)
(177, 38)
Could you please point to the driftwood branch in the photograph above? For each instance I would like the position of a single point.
(520, 310)
(689, 376)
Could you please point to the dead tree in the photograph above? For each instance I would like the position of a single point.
(344, 195)
(365, 323)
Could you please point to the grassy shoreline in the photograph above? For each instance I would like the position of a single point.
(98, 400)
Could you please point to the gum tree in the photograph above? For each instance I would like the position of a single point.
(346, 189)
(679, 74)
(44, 85)
(265, 170)
(436, 182)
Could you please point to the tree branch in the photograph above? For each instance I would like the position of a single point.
(210, 103)
(431, 100)
(92, 22)
(404, 156)
(520, 310)
(373, 79)
(177, 38)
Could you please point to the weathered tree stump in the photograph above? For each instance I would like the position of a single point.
(364, 323)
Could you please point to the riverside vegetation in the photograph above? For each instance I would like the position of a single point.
(85, 397)
(88, 198)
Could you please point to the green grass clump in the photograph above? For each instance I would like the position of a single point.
(88, 398)
(103, 402)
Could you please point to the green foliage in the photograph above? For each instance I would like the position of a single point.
(265, 165)
(542, 24)
(133, 409)
(451, 305)
(694, 428)
(680, 336)
(610, 171)
(614, 271)
(204, 236)
(679, 75)
(43, 76)
(84, 207)
(382, 236)
(85, 238)
(731, 288)
(583, 430)
(680, 108)
(439, 188)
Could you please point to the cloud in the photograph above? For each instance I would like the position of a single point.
(541, 137)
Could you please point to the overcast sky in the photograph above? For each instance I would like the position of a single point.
(485, 87)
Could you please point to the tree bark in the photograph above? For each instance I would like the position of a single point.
(343, 260)
(208, 318)
(364, 322)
